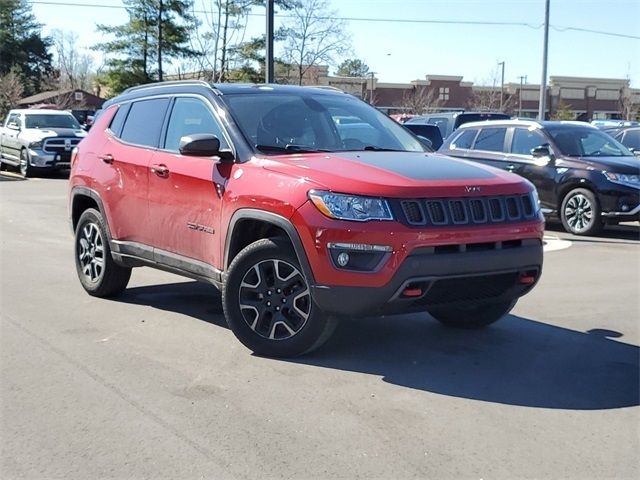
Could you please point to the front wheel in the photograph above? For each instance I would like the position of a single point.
(580, 212)
(268, 302)
(476, 315)
(26, 170)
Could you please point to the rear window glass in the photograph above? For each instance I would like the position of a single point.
(490, 139)
(465, 139)
(144, 122)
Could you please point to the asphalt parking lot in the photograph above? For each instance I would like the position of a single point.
(153, 384)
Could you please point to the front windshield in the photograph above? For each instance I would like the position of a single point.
(577, 141)
(284, 122)
(51, 121)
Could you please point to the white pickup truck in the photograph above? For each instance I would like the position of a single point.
(38, 141)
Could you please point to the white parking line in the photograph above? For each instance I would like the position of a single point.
(552, 243)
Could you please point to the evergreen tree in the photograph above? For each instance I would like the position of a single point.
(22, 48)
(157, 31)
(353, 67)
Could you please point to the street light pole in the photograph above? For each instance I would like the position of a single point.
(542, 107)
(501, 86)
(268, 60)
(523, 80)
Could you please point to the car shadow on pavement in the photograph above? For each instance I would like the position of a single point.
(517, 361)
(10, 177)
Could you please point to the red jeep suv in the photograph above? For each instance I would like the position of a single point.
(301, 205)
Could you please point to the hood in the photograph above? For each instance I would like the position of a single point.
(629, 164)
(34, 134)
(397, 174)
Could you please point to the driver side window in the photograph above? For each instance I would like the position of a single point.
(189, 116)
(524, 140)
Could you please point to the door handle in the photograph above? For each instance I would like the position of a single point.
(108, 158)
(511, 167)
(160, 170)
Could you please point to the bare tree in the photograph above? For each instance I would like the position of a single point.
(313, 36)
(11, 91)
(420, 100)
(626, 105)
(74, 67)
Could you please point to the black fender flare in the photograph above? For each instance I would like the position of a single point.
(88, 192)
(276, 220)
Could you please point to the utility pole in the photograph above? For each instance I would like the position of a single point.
(523, 80)
(372, 79)
(268, 61)
(160, 41)
(501, 86)
(542, 107)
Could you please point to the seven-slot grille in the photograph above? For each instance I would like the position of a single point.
(59, 145)
(466, 211)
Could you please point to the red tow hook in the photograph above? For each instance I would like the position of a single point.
(412, 292)
(526, 279)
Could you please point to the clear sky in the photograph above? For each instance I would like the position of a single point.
(401, 51)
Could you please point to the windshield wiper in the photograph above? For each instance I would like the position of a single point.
(290, 149)
(381, 149)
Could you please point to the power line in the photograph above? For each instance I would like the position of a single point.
(557, 28)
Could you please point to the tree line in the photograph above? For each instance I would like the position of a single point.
(162, 36)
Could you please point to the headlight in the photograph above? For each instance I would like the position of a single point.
(351, 207)
(37, 144)
(626, 178)
(535, 200)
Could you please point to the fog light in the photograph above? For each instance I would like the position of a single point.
(343, 259)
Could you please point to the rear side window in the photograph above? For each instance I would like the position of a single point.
(118, 119)
(465, 139)
(144, 122)
(525, 140)
(441, 122)
(491, 139)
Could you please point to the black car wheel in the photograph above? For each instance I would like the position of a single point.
(98, 273)
(580, 212)
(476, 315)
(268, 302)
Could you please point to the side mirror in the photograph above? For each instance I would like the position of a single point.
(635, 151)
(203, 145)
(13, 126)
(543, 151)
(426, 142)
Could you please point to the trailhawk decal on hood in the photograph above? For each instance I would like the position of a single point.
(419, 166)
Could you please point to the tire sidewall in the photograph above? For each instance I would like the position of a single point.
(596, 224)
(302, 341)
(92, 216)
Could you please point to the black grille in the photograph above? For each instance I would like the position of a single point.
(58, 144)
(413, 213)
(465, 211)
(452, 290)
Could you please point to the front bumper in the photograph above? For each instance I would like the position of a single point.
(41, 159)
(619, 203)
(433, 277)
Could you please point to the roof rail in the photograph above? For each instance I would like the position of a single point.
(171, 82)
(326, 87)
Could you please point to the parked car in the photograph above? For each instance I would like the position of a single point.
(583, 175)
(430, 132)
(608, 124)
(39, 141)
(630, 138)
(254, 189)
(448, 122)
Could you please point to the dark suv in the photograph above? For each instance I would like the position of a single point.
(583, 175)
(259, 190)
(448, 122)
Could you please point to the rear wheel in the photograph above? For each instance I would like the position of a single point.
(475, 315)
(580, 212)
(268, 302)
(98, 273)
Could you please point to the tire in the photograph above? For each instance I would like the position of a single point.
(580, 212)
(98, 273)
(25, 168)
(268, 303)
(476, 315)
